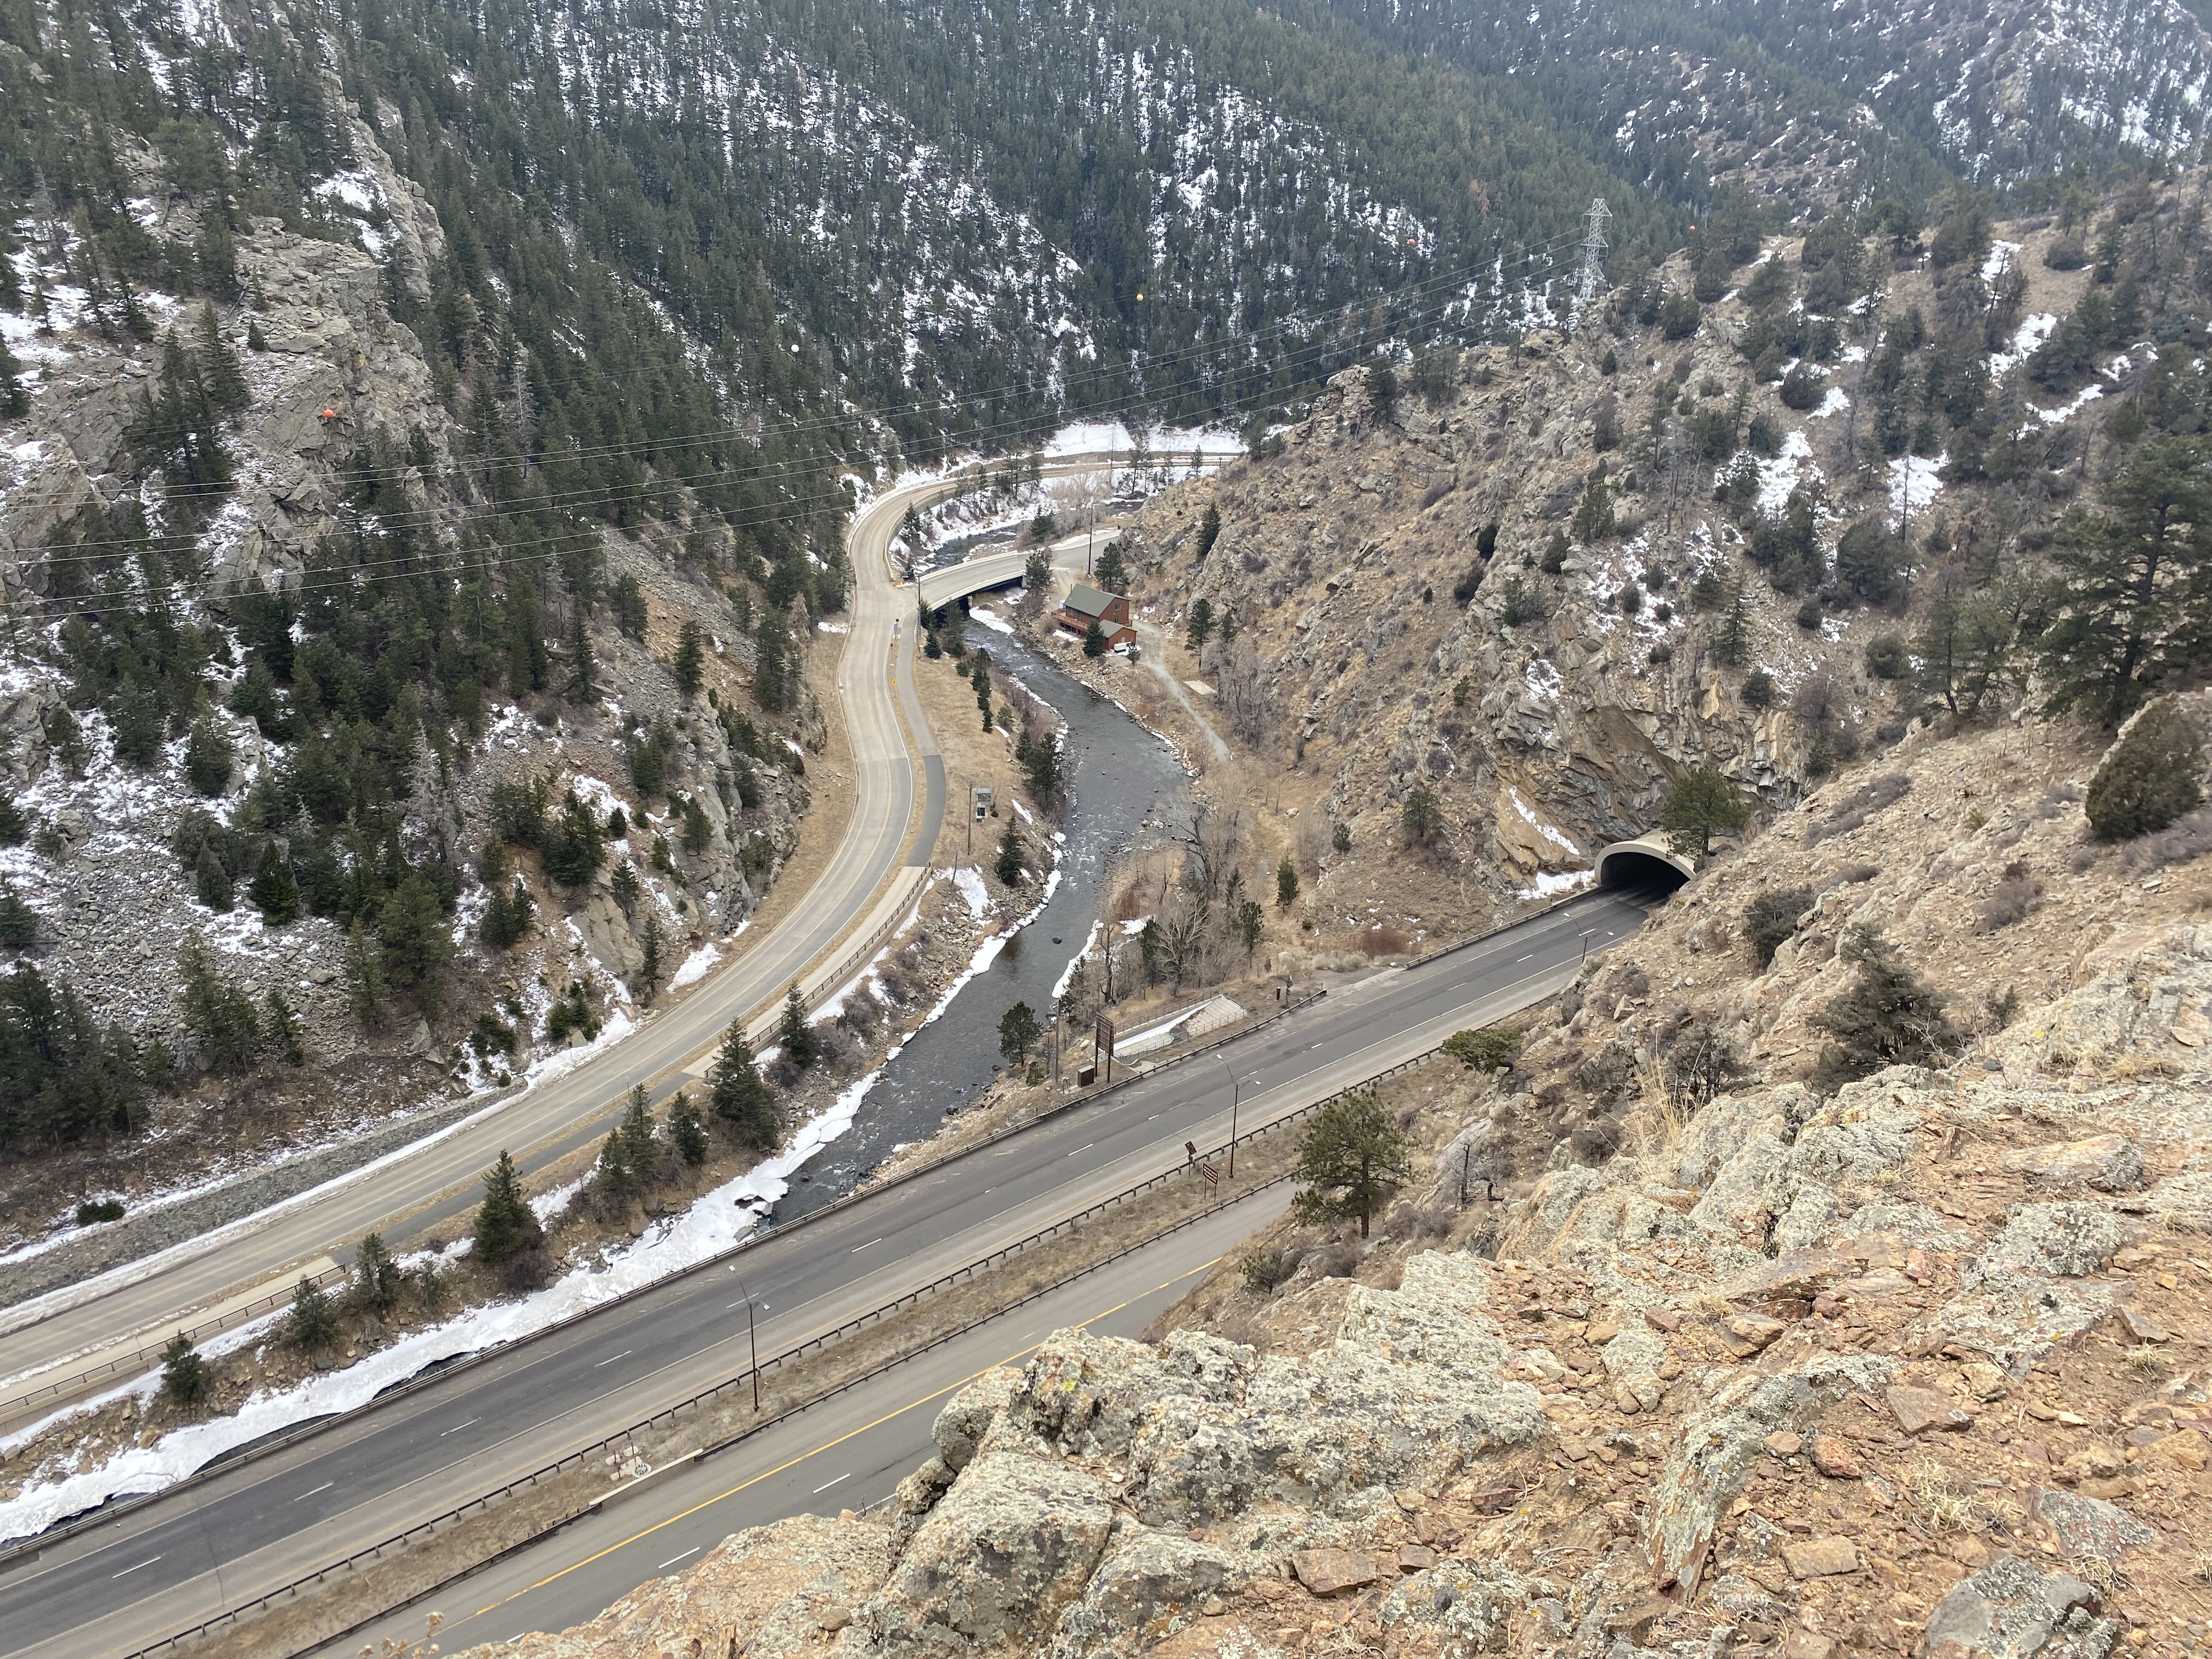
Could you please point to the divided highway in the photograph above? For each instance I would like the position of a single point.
(888, 738)
(251, 1528)
(848, 1453)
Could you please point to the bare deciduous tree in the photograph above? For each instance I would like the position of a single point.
(1245, 701)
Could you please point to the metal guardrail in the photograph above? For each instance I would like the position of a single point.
(143, 1356)
(22, 1405)
(668, 1415)
(277, 1441)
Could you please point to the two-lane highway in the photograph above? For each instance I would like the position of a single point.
(265, 1522)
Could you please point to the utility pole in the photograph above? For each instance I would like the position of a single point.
(1235, 1082)
(750, 1343)
(1589, 281)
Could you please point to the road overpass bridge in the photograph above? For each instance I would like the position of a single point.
(956, 581)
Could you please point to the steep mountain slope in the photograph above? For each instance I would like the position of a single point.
(1480, 632)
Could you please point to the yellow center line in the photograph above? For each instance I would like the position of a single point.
(815, 1451)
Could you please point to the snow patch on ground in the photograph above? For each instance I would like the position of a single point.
(695, 967)
(969, 881)
(1542, 827)
(2066, 411)
(1914, 481)
(2025, 342)
(1837, 402)
(1549, 886)
(990, 619)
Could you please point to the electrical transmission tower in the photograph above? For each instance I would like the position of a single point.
(1589, 281)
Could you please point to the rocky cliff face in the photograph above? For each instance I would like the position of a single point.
(328, 374)
(1916, 1367)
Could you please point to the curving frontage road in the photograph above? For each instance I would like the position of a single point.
(900, 797)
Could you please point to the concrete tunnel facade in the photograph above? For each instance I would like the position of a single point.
(1647, 861)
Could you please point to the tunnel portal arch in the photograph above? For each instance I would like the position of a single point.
(1648, 862)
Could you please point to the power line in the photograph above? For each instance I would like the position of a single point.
(794, 508)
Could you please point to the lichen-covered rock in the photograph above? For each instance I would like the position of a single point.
(1453, 1610)
(765, 1590)
(998, 1558)
(2011, 1609)
(1149, 1585)
(2067, 1240)
(2110, 1163)
(1717, 1448)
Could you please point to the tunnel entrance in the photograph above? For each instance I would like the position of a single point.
(1641, 867)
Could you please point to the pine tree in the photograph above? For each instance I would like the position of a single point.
(1200, 624)
(283, 1027)
(1353, 1157)
(1594, 519)
(799, 1044)
(1019, 1031)
(1209, 531)
(312, 1325)
(2131, 581)
(649, 974)
(1094, 639)
(137, 726)
(218, 364)
(274, 891)
(208, 758)
(2150, 777)
(366, 988)
(506, 1225)
(186, 1378)
(219, 1015)
(1888, 1016)
(212, 881)
(14, 400)
(640, 1143)
(739, 1097)
(1702, 802)
(1286, 882)
(1009, 866)
(376, 1277)
(416, 942)
(614, 1173)
(583, 667)
(1732, 643)
(691, 661)
(19, 923)
(687, 1131)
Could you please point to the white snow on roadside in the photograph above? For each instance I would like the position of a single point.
(711, 1226)
(1548, 886)
(619, 1026)
(695, 967)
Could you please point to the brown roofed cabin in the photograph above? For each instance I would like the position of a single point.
(1086, 604)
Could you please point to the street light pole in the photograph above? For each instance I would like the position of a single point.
(1235, 1084)
(750, 1343)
